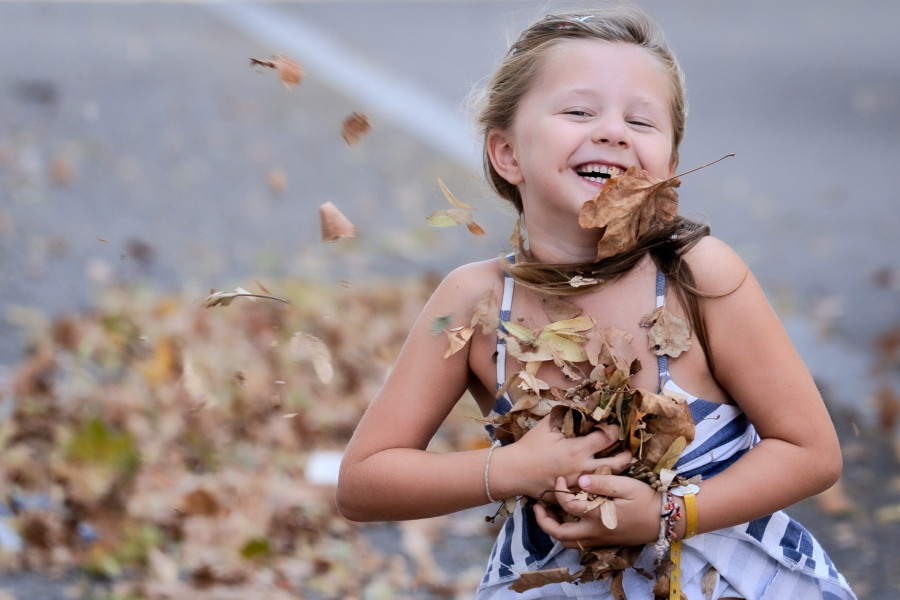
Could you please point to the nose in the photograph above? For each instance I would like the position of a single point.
(610, 130)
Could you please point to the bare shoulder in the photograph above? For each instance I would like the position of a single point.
(465, 284)
(716, 267)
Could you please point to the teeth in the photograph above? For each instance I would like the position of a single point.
(598, 171)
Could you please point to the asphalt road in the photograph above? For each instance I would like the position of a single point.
(137, 145)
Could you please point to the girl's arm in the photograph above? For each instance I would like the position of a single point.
(756, 364)
(387, 474)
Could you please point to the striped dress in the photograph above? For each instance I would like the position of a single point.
(770, 558)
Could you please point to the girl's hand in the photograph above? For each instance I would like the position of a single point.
(638, 508)
(544, 454)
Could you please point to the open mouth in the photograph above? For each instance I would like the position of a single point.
(597, 172)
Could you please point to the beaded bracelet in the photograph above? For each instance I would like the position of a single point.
(669, 514)
(487, 467)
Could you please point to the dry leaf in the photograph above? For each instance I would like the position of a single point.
(558, 309)
(486, 313)
(290, 72)
(458, 336)
(277, 181)
(304, 345)
(628, 207)
(451, 198)
(334, 224)
(460, 215)
(225, 298)
(708, 583)
(669, 334)
(535, 579)
(354, 127)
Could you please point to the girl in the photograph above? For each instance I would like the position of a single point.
(577, 98)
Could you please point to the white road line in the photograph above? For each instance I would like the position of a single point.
(406, 105)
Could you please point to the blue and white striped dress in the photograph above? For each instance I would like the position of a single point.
(770, 558)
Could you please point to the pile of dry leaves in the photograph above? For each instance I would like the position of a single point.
(164, 444)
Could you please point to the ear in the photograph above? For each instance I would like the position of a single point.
(672, 165)
(503, 156)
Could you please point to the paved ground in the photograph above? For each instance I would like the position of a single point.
(137, 144)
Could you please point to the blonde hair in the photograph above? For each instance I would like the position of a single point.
(517, 73)
(496, 109)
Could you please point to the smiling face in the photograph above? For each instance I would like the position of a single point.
(596, 108)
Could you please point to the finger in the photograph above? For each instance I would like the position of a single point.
(612, 464)
(601, 439)
(567, 533)
(611, 486)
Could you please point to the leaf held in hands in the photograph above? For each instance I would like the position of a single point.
(628, 207)
(334, 224)
(535, 579)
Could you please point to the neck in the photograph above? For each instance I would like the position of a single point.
(548, 246)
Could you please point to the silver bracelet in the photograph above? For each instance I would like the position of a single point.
(487, 467)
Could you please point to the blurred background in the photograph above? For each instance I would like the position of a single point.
(139, 147)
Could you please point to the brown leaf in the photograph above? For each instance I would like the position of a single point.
(535, 579)
(628, 207)
(334, 224)
(277, 181)
(669, 334)
(200, 502)
(354, 127)
(486, 313)
(558, 309)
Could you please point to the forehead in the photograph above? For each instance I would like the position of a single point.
(591, 62)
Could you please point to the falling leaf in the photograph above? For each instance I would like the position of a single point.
(354, 127)
(460, 215)
(290, 72)
(440, 324)
(449, 218)
(305, 345)
(334, 224)
(628, 207)
(225, 298)
(277, 181)
(451, 198)
(669, 334)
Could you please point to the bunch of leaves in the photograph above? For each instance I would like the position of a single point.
(655, 428)
(163, 442)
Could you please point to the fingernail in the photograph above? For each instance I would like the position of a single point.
(584, 481)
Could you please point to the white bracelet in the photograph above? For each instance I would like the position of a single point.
(487, 467)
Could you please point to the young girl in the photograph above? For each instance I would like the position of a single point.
(579, 97)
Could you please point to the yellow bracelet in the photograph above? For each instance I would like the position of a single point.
(689, 493)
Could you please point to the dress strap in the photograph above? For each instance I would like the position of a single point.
(509, 285)
(662, 360)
